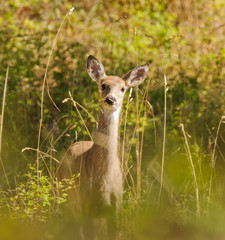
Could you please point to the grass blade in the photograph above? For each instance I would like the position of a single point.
(1, 124)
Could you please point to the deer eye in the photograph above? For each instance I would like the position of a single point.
(122, 89)
(103, 87)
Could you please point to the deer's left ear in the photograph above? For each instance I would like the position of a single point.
(137, 75)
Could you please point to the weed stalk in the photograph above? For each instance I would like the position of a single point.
(137, 126)
(181, 125)
(43, 89)
(1, 124)
(164, 140)
(213, 155)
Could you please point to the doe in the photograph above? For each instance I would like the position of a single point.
(99, 192)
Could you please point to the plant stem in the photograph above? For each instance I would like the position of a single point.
(164, 140)
(75, 105)
(1, 124)
(43, 89)
(137, 125)
(213, 156)
(181, 125)
(124, 169)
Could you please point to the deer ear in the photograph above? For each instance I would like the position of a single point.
(95, 69)
(136, 76)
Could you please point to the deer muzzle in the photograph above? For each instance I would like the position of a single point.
(110, 100)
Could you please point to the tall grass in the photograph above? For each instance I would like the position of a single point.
(1, 124)
(137, 123)
(160, 201)
(139, 214)
(43, 88)
(213, 160)
(164, 140)
(193, 170)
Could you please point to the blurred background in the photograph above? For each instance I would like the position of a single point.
(182, 40)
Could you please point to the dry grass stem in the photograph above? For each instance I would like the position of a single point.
(164, 140)
(1, 124)
(137, 124)
(213, 156)
(91, 116)
(126, 168)
(75, 105)
(43, 87)
(181, 125)
(215, 143)
(151, 112)
(45, 154)
(124, 133)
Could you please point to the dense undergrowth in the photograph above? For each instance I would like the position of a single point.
(183, 40)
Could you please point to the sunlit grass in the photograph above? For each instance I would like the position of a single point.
(183, 168)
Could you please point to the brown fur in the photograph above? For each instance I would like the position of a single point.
(99, 190)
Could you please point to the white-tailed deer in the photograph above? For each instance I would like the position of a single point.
(99, 192)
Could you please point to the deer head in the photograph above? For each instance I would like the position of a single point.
(113, 88)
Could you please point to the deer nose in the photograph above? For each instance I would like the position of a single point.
(110, 100)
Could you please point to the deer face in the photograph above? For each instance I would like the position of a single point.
(112, 88)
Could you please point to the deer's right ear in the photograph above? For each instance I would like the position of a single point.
(95, 69)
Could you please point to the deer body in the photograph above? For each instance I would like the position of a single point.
(97, 162)
(99, 192)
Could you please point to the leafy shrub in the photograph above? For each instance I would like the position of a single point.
(36, 197)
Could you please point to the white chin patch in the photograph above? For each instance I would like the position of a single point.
(112, 112)
(110, 107)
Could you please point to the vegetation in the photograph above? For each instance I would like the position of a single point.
(172, 128)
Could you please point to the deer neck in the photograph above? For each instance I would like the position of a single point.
(107, 133)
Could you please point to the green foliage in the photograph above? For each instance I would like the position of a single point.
(36, 197)
(183, 40)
